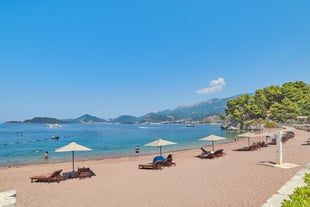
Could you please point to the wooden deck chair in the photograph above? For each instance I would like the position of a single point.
(206, 156)
(84, 172)
(219, 153)
(54, 176)
(157, 166)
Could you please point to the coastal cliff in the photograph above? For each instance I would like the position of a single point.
(230, 124)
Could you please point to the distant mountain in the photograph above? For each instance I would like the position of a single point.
(47, 120)
(158, 117)
(43, 120)
(196, 112)
(13, 122)
(86, 119)
(127, 119)
(212, 108)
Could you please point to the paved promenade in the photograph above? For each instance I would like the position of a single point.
(287, 189)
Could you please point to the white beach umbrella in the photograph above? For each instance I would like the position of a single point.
(213, 138)
(248, 135)
(159, 143)
(72, 147)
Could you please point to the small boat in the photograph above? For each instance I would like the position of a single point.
(55, 137)
(190, 125)
(53, 125)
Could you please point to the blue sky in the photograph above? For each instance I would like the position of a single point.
(108, 58)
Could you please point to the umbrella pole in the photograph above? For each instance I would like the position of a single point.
(213, 145)
(160, 151)
(72, 161)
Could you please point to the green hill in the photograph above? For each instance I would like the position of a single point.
(86, 119)
(43, 120)
(273, 103)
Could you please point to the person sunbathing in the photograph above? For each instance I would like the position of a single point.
(206, 153)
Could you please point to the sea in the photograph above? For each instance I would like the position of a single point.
(22, 144)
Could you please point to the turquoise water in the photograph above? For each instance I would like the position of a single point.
(27, 143)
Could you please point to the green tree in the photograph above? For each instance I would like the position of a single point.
(290, 100)
(276, 110)
(305, 108)
(273, 94)
(290, 109)
(261, 101)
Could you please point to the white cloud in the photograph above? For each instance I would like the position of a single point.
(215, 85)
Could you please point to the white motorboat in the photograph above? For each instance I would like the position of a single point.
(53, 125)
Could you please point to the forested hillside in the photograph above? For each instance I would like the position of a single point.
(276, 103)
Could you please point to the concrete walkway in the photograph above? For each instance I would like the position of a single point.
(8, 198)
(287, 189)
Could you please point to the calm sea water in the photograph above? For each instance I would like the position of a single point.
(27, 143)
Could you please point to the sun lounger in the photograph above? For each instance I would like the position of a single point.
(54, 176)
(207, 156)
(253, 147)
(219, 153)
(262, 144)
(157, 166)
(272, 142)
(169, 161)
(84, 172)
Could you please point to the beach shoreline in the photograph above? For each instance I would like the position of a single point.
(37, 140)
(44, 162)
(115, 157)
(238, 179)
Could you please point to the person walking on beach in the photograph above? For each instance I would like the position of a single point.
(46, 155)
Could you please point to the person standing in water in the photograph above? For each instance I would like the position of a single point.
(137, 149)
(46, 155)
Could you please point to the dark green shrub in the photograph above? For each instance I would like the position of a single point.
(300, 197)
(247, 122)
(270, 124)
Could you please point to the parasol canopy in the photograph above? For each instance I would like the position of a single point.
(159, 143)
(248, 135)
(72, 147)
(213, 138)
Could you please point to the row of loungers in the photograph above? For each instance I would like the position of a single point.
(285, 137)
(169, 162)
(256, 146)
(86, 172)
(57, 176)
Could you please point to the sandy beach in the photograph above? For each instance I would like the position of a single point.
(238, 179)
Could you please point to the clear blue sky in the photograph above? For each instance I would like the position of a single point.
(63, 59)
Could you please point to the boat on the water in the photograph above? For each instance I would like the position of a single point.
(53, 125)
